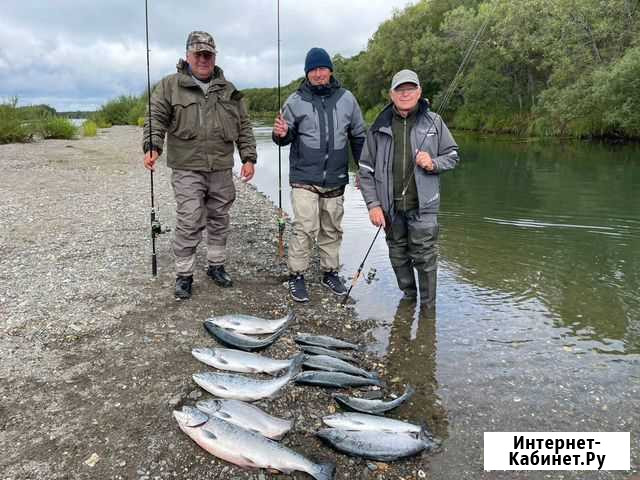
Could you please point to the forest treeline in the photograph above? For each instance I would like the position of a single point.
(541, 67)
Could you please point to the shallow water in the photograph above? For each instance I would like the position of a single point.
(537, 326)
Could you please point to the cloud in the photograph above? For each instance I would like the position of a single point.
(77, 54)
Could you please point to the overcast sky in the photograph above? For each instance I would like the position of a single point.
(77, 54)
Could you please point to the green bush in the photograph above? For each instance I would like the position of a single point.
(13, 129)
(124, 110)
(89, 128)
(57, 127)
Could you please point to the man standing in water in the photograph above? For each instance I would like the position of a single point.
(406, 149)
(203, 116)
(320, 121)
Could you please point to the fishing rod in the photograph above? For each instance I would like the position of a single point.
(281, 222)
(447, 96)
(156, 227)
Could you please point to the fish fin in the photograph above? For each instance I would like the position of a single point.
(325, 471)
(209, 434)
(222, 387)
(223, 361)
(222, 415)
(291, 317)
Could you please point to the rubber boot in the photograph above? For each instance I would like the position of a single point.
(406, 280)
(428, 282)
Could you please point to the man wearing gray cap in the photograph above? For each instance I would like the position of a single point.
(203, 116)
(406, 150)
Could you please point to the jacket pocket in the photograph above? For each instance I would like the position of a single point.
(186, 119)
(229, 120)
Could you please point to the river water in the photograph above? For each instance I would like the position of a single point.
(537, 326)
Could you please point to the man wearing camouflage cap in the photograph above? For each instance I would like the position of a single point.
(203, 116)
(406, 150)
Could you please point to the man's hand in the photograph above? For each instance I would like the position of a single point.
(423, 159)
(150, 160)
(377, 217)
(280, 126)
(247, 171)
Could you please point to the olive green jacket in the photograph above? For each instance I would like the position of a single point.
(201, 128)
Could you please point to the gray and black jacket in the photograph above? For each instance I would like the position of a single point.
(376, 170)
(322, 124)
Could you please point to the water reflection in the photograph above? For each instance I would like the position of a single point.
(411, 359)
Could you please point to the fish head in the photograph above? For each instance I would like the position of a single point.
(190, 417)
(209, 406)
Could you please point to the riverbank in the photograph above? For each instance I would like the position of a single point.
(96, 353)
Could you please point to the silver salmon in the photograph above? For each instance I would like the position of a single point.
(238, 361)
(245, 448)
(246, 416)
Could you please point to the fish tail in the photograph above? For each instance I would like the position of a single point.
(425, 435)
(409, 391)
(325, 471)
(296, 364)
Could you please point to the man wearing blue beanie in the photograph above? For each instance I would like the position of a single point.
(321, 121)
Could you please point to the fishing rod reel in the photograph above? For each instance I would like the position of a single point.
(156, 227)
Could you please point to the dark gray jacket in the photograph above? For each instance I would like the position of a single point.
(376, 170)
(321, 127)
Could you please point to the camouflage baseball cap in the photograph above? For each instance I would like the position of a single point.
(200, 42)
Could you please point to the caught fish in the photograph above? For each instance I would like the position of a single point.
(239, 387)
(365, 422)
(327, 351)
(381, 446)
(246, 416)
(324, 341)
(375, 407)
(332, 364)
(335, 379)
(244, 447)
(251, 325)
(241, 341)
(239, 361)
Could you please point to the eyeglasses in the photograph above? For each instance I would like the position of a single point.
(406, 90)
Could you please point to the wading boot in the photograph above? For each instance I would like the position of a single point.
(183, 287)
(428, 282)
(219, 276)
(406, 281)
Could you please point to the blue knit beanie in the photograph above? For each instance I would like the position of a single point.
(317, 57)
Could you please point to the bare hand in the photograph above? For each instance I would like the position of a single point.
(357, 181)
(280, 126)
(247, 171)
(150, 160)
(377, 217)
(423, 160)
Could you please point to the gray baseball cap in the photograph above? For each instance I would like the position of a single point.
(200, 42)
(404, 76)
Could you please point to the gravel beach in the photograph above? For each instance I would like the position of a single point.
(96, 353)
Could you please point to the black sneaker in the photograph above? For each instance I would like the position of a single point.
(219, 276)
(333, 283)
(297, 288)
(183, 287)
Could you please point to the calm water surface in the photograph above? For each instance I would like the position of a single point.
(537, 325)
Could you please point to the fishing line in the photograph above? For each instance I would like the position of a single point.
(281, 222)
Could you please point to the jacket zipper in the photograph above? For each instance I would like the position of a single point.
(326, 142)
